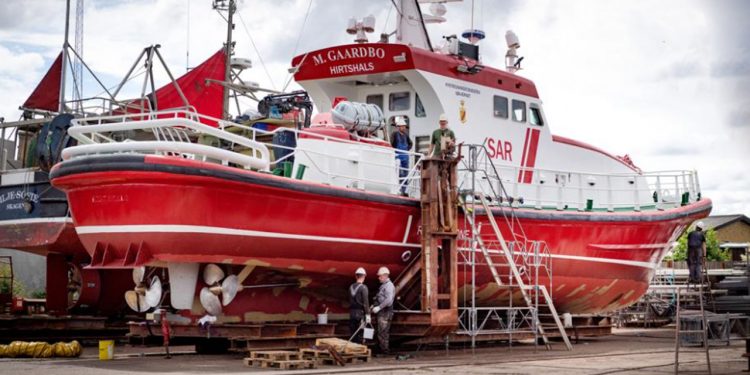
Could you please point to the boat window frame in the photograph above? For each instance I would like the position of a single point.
(523, 110)
(533, 107)
(495, 106)
(417, 106)
(380, 104)
(391, 101)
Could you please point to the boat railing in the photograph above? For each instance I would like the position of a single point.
(191, 135)
(178, 133)
(583, 191)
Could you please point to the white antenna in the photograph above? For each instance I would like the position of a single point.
(512, 62)
(361, 27)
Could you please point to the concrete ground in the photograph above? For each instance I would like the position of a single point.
(630, 351)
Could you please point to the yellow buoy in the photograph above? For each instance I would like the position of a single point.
(106, 350)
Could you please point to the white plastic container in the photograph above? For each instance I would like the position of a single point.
(322, 318)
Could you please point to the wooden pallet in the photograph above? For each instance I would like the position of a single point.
(324, 357)
(275, 355)
(281, 364)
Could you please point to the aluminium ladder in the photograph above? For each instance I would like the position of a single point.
(703, 331)
(547, 300)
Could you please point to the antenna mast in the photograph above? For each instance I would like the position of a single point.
(230, 6)
(77, 63)
(61, 105)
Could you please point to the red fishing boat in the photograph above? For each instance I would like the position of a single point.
(278, 219)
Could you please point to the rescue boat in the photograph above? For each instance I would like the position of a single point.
(276, 227)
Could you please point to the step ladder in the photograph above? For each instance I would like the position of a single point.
(679, 331)
(546, 299)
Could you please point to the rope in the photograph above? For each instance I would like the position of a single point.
(260, 58)
(296, 45)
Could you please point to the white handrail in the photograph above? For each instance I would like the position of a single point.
(171, 147)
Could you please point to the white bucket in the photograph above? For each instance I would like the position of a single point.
(322, 318)
(368, 333)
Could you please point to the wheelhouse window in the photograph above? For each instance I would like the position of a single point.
(418, 107)
(519, 111)
(535, 115)
(399, 101)
(375, 99)
(500, 106)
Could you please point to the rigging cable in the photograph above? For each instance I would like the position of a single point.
(260, 58)
(296, 45)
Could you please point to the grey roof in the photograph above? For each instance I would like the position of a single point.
(718, 221)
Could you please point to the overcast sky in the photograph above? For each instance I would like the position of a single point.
(667, 82)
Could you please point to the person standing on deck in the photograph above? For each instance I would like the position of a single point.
(359, 306)
(383, 308)
(401, 142)
(696, 242)
(442, 140)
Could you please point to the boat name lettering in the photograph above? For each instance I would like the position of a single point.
(19, 194)
(352, 68)
(102, 198)
(349, 53)
(462, 90)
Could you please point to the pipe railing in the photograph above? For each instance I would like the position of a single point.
(561, 190)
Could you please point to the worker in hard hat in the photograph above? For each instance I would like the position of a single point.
(696, 243)
(443, 140)
(383, 308)
(359, 306)
(402, 143)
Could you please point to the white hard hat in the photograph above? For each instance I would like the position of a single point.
(700, 225)
(383, 271)
(360, 271)
(400, 121)
(443, 117)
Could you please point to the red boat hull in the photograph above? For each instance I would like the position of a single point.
(175, 210)
(42, 236)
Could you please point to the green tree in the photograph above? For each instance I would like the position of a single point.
(713, 251)
(18, 288)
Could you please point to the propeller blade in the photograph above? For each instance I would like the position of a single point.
(138, 274)
(229, 288)
(212, 274)
(154, 293)
(135, 302)
(210, 302)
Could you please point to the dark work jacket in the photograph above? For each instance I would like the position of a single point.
(696, 239)
(358, 297)
(399, 143)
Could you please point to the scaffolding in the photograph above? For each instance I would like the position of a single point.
(521, 268)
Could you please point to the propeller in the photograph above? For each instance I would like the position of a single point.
(218, 285)
(144, 296)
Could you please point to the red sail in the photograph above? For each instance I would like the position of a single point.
(205, 96)
(46, 95)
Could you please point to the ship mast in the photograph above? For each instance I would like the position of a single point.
(230, 6)
(61, 105)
